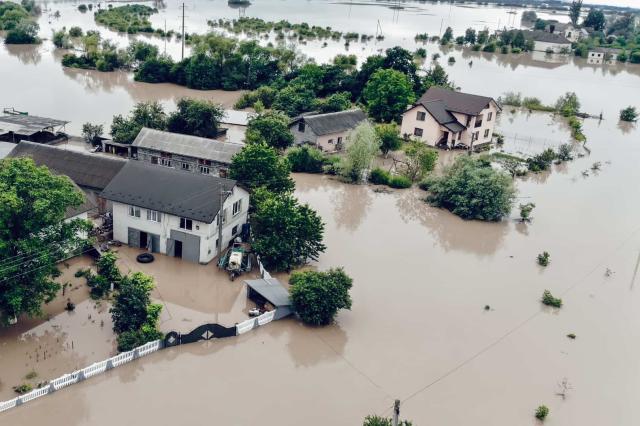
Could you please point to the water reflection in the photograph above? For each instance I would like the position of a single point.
(449, 231)
(28, 54)
(351, 203)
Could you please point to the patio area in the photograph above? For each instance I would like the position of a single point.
(192, 294)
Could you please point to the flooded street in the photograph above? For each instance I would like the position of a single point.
(418, 330)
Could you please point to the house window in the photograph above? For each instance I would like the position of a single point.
(459, 135)
(204, 170)
(186, 224)
(476, 135)
(165, 162)
(234, 230)
(330, 141)
(185, 166)
(417, 131)
(154, 159)
(222, 173)
(153, 215)
(486, 133)
(236, 207)
(134, 211)
(490, 116)
(339, 140)
(478, 121)
(301, 126)
(421, 116)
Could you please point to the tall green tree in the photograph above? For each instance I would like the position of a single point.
(33, 234)
(574, 11)
(317, 296)
(387, 95)
(437, 76)
(389, 135)
(286, 233)
(259, 165)
(196, 117)
(595, 19)
(144, 114)
(362, 145)
(271, 128)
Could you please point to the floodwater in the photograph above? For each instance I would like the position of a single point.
(33, 79)
(60, 341)
(418, 330)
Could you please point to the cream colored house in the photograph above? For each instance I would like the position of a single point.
(443, 117)
(327, 132)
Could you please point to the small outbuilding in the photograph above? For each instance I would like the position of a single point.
(18, 127)
(272, 291)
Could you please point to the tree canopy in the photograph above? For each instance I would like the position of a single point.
(595, 19)
(144, 114)
(472, 189)
(271, 128)
(362, 145)
(387, 94)
(286, 233)
(33, 234)
(389, 135)
(317, 296)
(196, 117)
(259, 165)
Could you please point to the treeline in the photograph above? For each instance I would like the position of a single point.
(284, 28)
(513, 41)
(19, 23)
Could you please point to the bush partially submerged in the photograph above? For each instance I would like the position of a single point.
(317, 296)
(542, 412)
(541, 161)
(472, 189)
(543, 258)
(379, 176)
(549, 300)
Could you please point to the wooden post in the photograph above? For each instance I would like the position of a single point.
(396, 412)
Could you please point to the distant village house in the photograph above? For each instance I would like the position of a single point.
(446, 118)
(544, 41)
(327, 132)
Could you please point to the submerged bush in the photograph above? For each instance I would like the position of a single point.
(549, 300)
(472, 189)
(543, 258)
(306, 160)
(542, 412)
(399, 181)
(541, 161)
(379, 176)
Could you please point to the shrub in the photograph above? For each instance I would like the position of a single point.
(317, 296)
(75, 32)
(306, 160)
(82, 8)
(491, 47)
(379, 176)
(629, 114)
(565, 152)
(513, 99)
(472, 189)
(504, 49)
(516, 50)
(399, 181)
(542, 412)
(525, 211)
(541, 161)
(476, 47)
(544, 258)
(634, 57)
(22, 389)
(25, 32)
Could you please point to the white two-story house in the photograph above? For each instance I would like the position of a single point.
(175, 213)
(446, 118)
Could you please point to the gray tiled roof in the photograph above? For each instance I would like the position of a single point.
(333, 122)
(438, 111)
(189, 146)
(546, 37)
(456, 101)
(87, 205)
(191, 195)
(85, 169)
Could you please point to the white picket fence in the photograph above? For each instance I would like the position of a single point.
(85, 373)
(125, 357)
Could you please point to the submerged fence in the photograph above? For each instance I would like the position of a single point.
(203, 332)
(85, 373)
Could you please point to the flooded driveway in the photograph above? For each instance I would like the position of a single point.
(418, 330)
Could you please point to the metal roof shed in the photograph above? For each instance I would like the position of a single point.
(274, 292)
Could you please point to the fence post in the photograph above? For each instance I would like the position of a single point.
(109, 364)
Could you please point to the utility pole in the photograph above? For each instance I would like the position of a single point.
(165, 37)
(396, 412)
(182, 30)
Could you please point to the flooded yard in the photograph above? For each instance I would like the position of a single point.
(418, 330)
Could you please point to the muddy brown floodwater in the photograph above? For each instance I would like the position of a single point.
(418, 330)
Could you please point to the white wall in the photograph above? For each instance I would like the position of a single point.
(542, 46)
(208, 232)
(432, 130)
